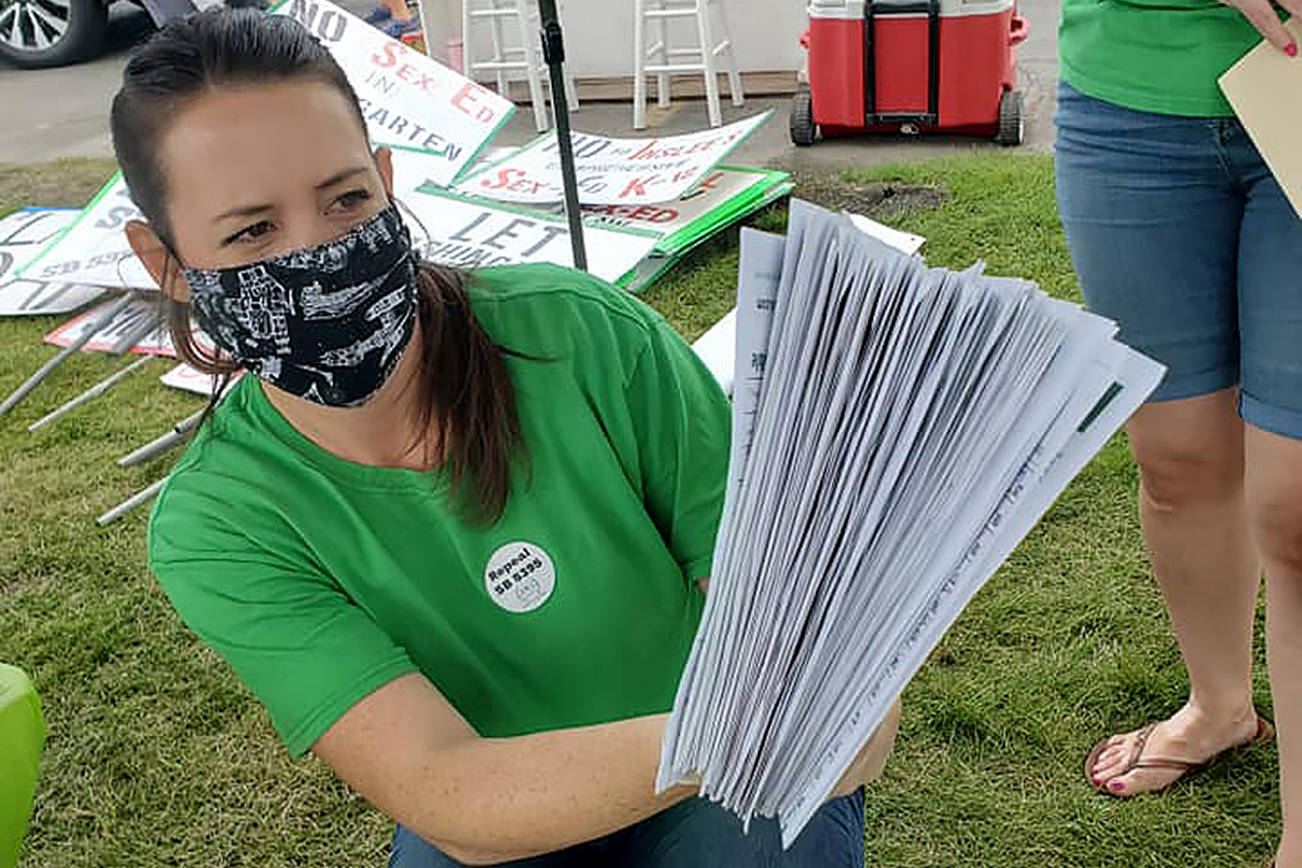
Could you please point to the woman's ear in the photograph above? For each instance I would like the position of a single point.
(158, 260)
(384, 163)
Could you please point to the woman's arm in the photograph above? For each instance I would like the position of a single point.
(485, 800)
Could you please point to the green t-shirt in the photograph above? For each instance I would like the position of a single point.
(319, 580)
(1153, 55)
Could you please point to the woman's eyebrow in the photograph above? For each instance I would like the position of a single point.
(242, 211)
(338, 177)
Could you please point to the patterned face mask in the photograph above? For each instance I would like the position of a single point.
(328, 323)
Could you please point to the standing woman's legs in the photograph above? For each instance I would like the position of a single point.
(1152, 215)
(1270, 315)
(1192, 510)
(1275, 505)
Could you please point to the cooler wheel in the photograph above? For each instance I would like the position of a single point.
(1012, 126)
(803, 129)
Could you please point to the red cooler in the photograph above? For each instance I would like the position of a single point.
(911, 66)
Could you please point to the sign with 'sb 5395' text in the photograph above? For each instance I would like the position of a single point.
(406, 98)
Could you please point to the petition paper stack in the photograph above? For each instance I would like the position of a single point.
(898, 430)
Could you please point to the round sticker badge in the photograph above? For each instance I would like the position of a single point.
(520, 577)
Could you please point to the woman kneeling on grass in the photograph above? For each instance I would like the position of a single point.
(450, 531)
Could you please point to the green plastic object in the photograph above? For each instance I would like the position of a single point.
(22, 738)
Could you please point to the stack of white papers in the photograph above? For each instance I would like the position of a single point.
(898, 429)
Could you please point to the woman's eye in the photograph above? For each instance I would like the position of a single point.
(353, 198)
(250, 233)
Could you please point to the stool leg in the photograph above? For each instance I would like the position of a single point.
(639, 65)
(707, 61)
(532, 63)
(662, 79)
(571, 89)
(467, 44)
(734, 77)
(499, 50)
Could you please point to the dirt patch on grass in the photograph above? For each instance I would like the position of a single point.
(876, 199)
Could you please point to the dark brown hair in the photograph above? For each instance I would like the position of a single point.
(468, 395)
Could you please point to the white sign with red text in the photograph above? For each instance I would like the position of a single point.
(407, 98)
(23, 235)
(610, 171)
(128, 320)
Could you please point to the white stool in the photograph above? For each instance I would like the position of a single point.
(670, 60)
(527, 56)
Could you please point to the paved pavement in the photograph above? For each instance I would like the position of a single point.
(64, 112)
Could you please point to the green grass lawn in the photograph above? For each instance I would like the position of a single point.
(158, 756)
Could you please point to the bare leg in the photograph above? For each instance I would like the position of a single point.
(1193, 511)
(1274, 483)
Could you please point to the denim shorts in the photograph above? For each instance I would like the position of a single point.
(1179, 232)
(692, 834)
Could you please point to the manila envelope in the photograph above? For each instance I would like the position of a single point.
(1265, 89)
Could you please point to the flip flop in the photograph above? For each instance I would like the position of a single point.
(1264, 735)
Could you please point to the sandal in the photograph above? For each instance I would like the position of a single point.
(1264, 735)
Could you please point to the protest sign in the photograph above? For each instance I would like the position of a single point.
(131, 318)
(725, 195)
(22, 236)
(407, 98)
(610, 171)
(717, 199)
(470, 233)
(94, 250)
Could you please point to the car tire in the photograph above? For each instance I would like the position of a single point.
(40, 33)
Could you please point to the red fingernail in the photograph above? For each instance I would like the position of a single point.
(1291, 49)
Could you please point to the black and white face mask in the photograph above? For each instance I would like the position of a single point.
(328, 323)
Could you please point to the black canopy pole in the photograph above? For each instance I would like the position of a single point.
(554, 53)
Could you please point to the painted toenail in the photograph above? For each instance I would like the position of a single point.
(1116, 786)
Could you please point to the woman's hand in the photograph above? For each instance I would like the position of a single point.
(868, 765)
(1263, 17)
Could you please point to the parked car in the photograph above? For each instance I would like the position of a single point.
(36, 33)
